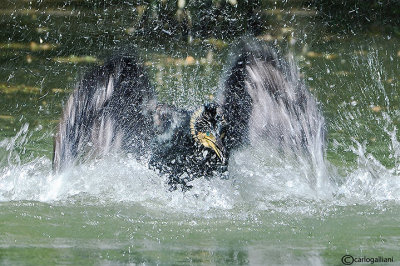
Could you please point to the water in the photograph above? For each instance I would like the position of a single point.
(116, 211)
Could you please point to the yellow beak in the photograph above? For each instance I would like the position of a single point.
(210, 141)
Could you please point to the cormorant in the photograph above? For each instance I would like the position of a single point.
(114, 108)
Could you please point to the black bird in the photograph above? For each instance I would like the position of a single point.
(191, 147)
(262, 98)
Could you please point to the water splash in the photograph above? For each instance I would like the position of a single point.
(261, 178)
(256, 182)
(369, 117)
(15, 146)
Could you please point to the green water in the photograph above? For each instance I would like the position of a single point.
(41, 233)
(116, 212)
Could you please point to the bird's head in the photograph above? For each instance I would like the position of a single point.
(205, 127)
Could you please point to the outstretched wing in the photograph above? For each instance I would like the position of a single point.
(108, 110)
(264, 98)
